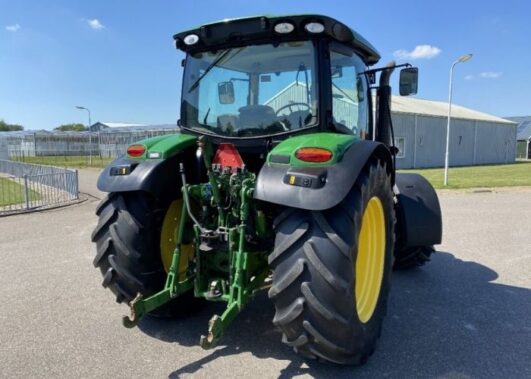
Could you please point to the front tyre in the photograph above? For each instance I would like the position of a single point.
(331, 272)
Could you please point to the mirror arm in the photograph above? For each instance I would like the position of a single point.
(375, 70)
(371, 74)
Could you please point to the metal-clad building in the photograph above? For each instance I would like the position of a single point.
(297, 93)
(475, 137)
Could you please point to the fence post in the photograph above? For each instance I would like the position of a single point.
(65, 179)
(26, 191)
(90, 147)
(77, 185)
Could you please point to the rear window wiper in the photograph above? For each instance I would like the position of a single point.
(212, 65)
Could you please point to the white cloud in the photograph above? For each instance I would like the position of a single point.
(95, 24)
(13, 28)
(490, 75)
(484, 75)
(419, 52)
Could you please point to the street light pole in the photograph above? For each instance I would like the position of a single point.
(90, 133)
(461, 59)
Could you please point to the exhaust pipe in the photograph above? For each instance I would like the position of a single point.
(383, 125)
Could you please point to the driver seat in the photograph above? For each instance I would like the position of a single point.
(256, 116)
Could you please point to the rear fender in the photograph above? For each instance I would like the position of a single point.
(317, 188)
(159, 177)
(418, 213)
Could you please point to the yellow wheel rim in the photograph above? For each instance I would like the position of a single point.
(168, 239)
(369, 264)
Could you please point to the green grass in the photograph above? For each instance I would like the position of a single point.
(507, 175)
(67, 161)
(13, 193)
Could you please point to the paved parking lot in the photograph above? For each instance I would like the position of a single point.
(465, 315)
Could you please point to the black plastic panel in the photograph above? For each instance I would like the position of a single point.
(418, 211)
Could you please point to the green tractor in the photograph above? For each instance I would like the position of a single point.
(282, 178)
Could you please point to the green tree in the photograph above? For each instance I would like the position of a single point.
(71, 127)
(5, 127)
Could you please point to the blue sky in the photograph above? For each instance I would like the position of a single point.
(117, 57)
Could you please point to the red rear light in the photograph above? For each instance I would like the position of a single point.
(227, 156)
(136, 150)
(314, 154)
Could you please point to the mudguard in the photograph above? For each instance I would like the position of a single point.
(418, 213)
(160, 177)
(317, 188)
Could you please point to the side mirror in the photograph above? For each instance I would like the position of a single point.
(226, 92)
(409, 78)
(337, 72)
(359, 89)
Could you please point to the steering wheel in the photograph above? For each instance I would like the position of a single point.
(291, 105)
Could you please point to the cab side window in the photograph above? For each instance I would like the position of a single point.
(349, 92)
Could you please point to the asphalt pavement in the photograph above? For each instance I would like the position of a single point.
(467, 314)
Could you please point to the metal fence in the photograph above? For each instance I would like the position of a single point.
(25, 187)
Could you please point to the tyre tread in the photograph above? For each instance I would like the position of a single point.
(309, 292)
(127, 239)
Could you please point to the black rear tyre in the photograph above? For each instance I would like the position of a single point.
(128, 254)
(317, 267)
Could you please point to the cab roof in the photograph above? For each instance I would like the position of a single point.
(230, 32)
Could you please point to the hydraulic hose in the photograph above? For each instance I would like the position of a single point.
(187, 200)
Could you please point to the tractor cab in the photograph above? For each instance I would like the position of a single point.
(276, 76)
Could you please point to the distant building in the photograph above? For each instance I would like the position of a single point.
(419, 128)
(100, 125)
(31, 143)
(107, 140)
(475, 138)
(114, 137)
(523, 136)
